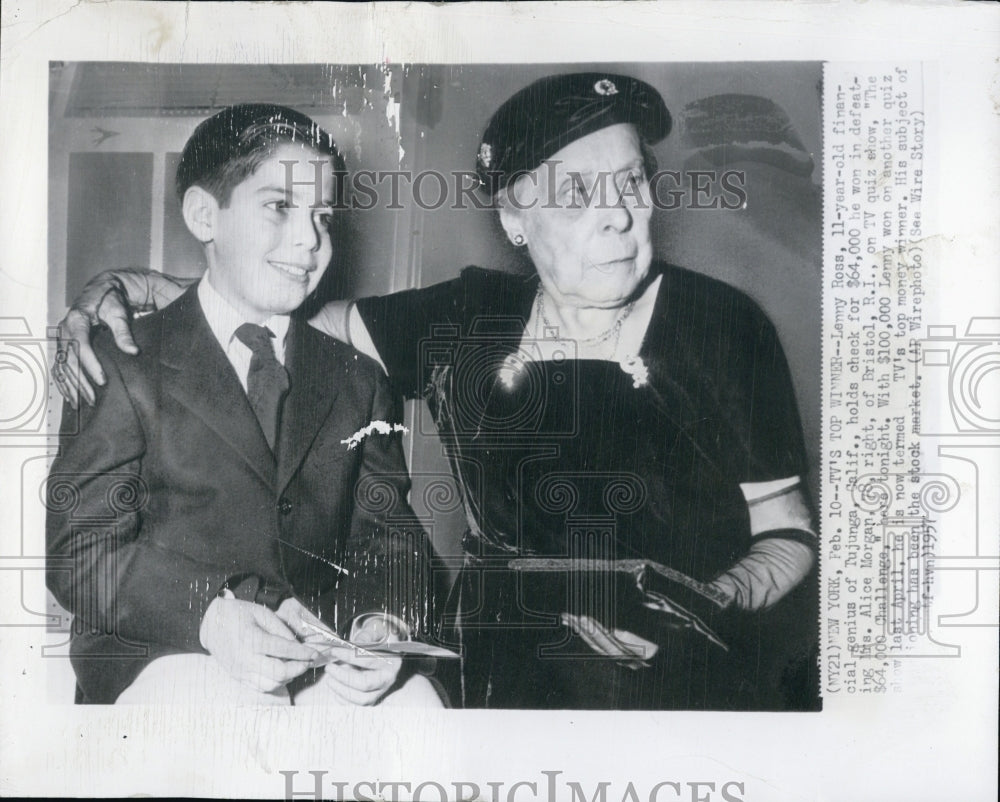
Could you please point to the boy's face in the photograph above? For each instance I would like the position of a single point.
(271, 245)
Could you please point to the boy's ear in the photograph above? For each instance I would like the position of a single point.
(199, 208)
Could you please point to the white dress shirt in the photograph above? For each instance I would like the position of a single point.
(223, 320)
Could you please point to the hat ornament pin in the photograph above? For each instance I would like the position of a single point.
(605, 87)
(485, 154)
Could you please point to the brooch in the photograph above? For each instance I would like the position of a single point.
(636, 368)
(509, 370)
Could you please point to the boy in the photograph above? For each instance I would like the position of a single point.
(208, 521)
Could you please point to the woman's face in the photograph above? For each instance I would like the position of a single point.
(585, 216)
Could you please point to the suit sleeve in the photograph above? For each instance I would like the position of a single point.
(101, 564)
(388, 552)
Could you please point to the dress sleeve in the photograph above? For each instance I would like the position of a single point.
(761, 404)
(405, 326)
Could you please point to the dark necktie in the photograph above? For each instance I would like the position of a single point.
(267, 381)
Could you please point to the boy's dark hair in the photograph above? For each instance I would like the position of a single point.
(230, 145)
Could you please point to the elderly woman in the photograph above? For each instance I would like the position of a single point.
(623, 432)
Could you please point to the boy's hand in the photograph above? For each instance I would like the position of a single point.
(307, 627)
(363, 680)
(253, 644)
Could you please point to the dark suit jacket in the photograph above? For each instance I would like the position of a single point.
(169, 492)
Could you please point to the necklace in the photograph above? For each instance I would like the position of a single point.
(615, 330)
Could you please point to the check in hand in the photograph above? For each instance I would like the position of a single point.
(355, 674)
(253, 644)
(625, 647)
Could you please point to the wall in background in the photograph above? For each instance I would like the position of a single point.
(116, 131)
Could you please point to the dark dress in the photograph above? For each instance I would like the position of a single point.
(571, 458)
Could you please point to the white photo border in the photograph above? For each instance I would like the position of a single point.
(934, 739)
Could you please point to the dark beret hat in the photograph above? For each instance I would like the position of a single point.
(547, 115)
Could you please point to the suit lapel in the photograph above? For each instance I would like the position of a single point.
(204, 381)
(311, 364)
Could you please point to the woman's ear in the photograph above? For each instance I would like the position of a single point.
(511, 214)
(199, 208)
